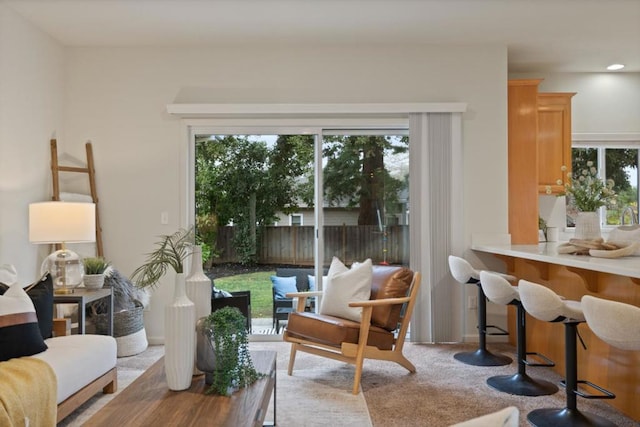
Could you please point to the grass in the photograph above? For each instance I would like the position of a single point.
(260, 286)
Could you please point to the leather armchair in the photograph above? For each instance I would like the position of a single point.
(380, 334)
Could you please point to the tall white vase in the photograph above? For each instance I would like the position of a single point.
(587, 226)
(198, 287)
(179, 332)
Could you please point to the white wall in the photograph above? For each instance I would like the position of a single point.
(604, 102)
(32, 69)
(117, 98)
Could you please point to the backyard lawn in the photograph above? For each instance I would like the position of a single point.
(258, 283)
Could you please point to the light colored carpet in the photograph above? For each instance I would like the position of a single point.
(443, 391)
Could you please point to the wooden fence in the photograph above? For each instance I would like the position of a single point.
(294, 245)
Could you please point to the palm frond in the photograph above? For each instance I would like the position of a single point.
(172, 249)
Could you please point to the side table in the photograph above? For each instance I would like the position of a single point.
(82, 297)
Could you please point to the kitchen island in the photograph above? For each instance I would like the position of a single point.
(573, 276)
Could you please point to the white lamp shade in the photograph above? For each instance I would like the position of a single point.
(62, 222)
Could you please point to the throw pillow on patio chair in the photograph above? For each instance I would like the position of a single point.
(377, 331)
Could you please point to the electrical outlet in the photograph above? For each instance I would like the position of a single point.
(472, 302)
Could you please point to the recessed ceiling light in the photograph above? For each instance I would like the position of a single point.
(615, 67)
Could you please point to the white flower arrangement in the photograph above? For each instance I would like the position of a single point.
(587, 191)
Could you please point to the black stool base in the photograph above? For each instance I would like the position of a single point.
(566, 418)
(482, 358)
(522, 385)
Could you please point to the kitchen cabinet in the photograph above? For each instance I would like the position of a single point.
(554, 141)
(522, 155)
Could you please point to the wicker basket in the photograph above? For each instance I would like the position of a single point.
(128, 330)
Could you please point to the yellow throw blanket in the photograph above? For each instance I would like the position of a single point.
(28, 390)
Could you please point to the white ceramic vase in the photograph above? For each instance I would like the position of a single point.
(179, 332)
(198, 288)
(587, 226)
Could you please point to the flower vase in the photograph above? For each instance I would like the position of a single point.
(179, 330)
(587, 226)
(198, 288)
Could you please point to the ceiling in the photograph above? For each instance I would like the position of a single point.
(541, 35)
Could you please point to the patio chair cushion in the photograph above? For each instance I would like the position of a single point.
(283, 285)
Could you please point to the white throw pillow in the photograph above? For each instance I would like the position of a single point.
(345, 285)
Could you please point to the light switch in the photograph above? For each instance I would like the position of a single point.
(164, 218)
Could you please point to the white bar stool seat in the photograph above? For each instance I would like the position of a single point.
(616, 323)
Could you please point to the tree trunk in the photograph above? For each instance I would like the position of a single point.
(372, 189)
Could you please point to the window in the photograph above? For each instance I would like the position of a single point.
(295, 219)
(615, 161)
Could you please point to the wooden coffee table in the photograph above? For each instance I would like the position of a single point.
(149, 402)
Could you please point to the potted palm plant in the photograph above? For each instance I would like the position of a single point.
(223, 351)
(94, 268)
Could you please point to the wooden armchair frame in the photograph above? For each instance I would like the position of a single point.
(356, 353)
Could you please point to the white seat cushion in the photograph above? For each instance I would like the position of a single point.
(77, 360)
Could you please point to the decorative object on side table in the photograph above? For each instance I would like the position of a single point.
(94, 269)
(198, 288)
(588, 192)
(180, 314)
(62, 223)
(223, 351)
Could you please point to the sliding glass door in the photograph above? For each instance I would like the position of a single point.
(267, 201)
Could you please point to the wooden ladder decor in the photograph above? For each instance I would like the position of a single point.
(89, 170)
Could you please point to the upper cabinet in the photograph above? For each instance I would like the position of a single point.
(554, 141)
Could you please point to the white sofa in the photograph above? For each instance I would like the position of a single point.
(84, 365)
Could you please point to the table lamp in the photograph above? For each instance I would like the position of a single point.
(63, 222)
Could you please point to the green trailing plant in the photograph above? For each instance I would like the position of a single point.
(95, 265)
(171, 251)
(226, 331)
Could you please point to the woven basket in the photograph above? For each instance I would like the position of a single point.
(128, 330)
(124, 322)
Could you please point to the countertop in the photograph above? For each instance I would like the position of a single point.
(547, 252)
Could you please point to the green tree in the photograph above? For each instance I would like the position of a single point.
(243, 181)
(616, 161)
(355, 175)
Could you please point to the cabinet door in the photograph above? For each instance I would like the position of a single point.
(554, 141)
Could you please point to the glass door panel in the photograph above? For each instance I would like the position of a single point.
(254, 214)
(366, 197)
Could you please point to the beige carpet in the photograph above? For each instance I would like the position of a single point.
(442, 391)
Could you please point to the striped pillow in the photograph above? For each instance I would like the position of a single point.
(19, 330)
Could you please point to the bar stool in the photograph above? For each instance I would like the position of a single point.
(616, 323)
(463, 272)
(544, 304)
(500, 291)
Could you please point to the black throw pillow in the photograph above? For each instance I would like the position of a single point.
(41, 294)
(19, 331)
